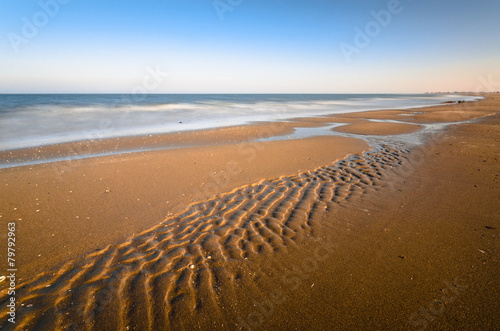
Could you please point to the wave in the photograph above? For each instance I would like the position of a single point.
(29, 120)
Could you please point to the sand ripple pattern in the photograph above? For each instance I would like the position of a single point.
(167, 274)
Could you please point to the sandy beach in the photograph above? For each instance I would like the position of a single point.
(229, 229)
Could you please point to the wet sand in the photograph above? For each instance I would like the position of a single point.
(279, 235)
(378, 128)
(79, 206)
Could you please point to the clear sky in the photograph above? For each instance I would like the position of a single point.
(249, 46)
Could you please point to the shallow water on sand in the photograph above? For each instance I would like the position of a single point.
(31, 120)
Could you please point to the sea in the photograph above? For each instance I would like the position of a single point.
(30, 120)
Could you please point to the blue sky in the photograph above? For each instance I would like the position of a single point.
(243, 46)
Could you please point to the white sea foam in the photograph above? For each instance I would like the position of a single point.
(34, 120)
